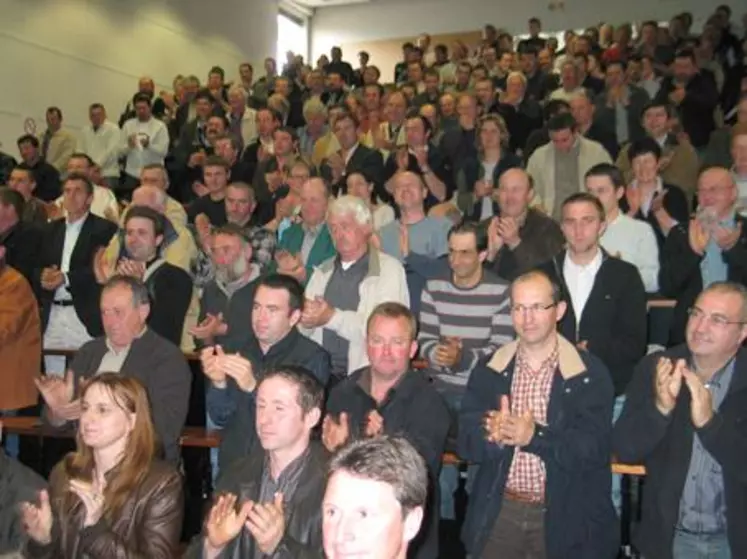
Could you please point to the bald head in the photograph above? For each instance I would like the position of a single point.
(515, 192)
(151, 197)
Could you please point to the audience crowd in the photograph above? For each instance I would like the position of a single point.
(372, 274)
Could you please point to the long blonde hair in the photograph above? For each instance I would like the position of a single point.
(130, 395)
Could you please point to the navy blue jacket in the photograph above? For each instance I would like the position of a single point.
(580, 522)
(664, 446)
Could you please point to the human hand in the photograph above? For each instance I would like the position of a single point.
(56, 391)
(727, 237)
(224, 522)
(266, 523)
(212, 367)
(316, 313)
(37, 519)
(701, 399)
(494, 419)
(698, 236)
(517, 430)
(374, 424)
(239, 369)
(335, 433)
(508, 229)
(92, 499)
(448, 352)
(667, 384)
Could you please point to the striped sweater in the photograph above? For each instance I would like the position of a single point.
(480, 317)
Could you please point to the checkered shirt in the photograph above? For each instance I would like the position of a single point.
(530, 389)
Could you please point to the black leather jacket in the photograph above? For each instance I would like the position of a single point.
(18, 484)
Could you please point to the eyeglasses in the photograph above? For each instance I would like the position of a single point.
(717, 320)
(531, 309)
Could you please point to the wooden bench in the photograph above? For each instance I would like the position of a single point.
(199, 437)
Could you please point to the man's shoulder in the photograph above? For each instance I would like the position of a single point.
(154, 345)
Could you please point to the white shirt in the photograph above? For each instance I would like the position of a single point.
(103, 200)
(102, 146)
(72, 232)
(634, 241)
(139, 156)
(580, 281)
(646, 201)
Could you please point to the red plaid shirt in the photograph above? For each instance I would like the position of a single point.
(530, 390)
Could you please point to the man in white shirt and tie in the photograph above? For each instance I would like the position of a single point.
(145, 140)
(101, 142)
(624, 237)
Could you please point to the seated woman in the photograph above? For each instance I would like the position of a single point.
(478, 177)
(363, 187)
(112, 497)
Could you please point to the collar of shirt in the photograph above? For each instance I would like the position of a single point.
(365, 380)
(232, 287)
(547, 366)
(77, 224)
(646, 202)
(582, 269)
(112, 349)
(350, 152)
(292, 470)
(312, 230)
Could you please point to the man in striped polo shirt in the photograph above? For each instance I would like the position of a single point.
(464, 316)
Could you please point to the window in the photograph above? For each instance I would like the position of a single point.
(292, 36)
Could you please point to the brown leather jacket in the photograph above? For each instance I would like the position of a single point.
(148, 527)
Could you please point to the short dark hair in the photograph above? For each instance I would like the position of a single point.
(394, 310)
(144, 212)
(390, 460)
(657, 104)
(95, 106)
(216, 161)
(562, 121)
(9, 197)
(310, 390)
(205, 94)
(535, 20)
(471, 228)
(78, 177)
(347, 115)
(584, 197)
(232, 230)
(643, 146)
(81, 155)
(427, 126)
(287, 130)
(138, 289)
(55, 110)
(555, 107)
(607, 170)
(217, 70)
(28, 138)
(288, 284)
(140, 98)
(686, 53)
(247, 65)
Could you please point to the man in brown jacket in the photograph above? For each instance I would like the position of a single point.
(20, 344)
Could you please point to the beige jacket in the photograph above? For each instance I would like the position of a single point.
(541, 167)
(61, 147)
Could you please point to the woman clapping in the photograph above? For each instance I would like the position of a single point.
(112, 497)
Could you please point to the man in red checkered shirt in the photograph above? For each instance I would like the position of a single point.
(537, 418)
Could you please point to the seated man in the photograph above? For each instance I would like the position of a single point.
(155, 174)
(228, 299)
(522, 237)
(305, 245)
(388, 397)
(711, 247)
(537, 418)
(379, 478)
(22, 241)
(178, 246)
(104, 202)
(18, 484)
(67, 290)
(624, 237)
(169, 287)
(35, 212)
(684, 419)
(130, 348)
(344, 290)
(269, 503)
(210, 206)
(274, 341)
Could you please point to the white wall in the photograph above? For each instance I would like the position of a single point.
(70, 53)
(387, 19)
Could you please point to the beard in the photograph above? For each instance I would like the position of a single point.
(232, 272)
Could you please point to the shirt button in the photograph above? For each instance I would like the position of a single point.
(567, 390)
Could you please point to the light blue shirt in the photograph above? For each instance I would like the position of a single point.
(713, 267)
(427, 237)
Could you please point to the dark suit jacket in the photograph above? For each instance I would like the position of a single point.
(22, 244)
(696, 109)
(95, 233)
(614, 320)
(607, 116)
(680, 276)
(170, 290)
(364, 160)
(664, 445)
(521, 121)
(303, 521)
(163, 370)
(601, 134)
(676, 205)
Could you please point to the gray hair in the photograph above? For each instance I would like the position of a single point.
(237, 88)
(139, 292)
(351, 205)
(314, 107)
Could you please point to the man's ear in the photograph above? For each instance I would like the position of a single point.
(413, 521)
(312, 418)
(562, 307)
(295, 317)
(144, 311)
